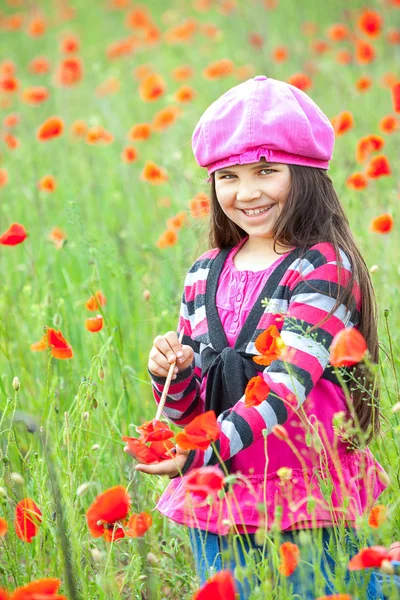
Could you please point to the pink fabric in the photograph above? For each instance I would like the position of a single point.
(263, 117)
(355, 476)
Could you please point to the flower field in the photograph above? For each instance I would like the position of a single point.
(102, 212)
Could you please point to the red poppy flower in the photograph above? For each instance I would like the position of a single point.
(59, 346)
(106, 510)
(301, 81)
(357, 181)
(205, 481)
(377, 516)
(343, 57)
(218, 69)
(369, 557)
(70, 71)
(58, 237)
(139, 18)
(168, 238)
(153, 174)
(177, 221)
(47, 183)
(141, 71)
(123, 47)
(109, 86)
(389, 124)
(94, 324)
(343, 122)
(199, 433)
(183, 73)
(9, 84)
(290, 557)
(11, 120)
(3, 527)
(138, 525)
(348, 348)
(14, 235)
(28, 517)
(396, 96)
(148, 454)
(338, 32)
(69, 44)
(96, 301)
(129, 154)
(363, 83)
(35, 95)
(370, 23)
(3, 178)
(43, 589)
(50, 129)
(185, 94)
(378, 167)
(140, 131)
(39, 65)
(365, 52)
(382, 224)
(220, 586)
(280, 54)
(256, 391)
(154, 431)
(37, 27)
(165, 118)
(270, 344)
(99, 135)
(152, 87)
(79, 128)
(368, 144)
(200, 205)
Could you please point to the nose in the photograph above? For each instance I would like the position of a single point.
(248, 190)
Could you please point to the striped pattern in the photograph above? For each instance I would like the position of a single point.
(305, 295)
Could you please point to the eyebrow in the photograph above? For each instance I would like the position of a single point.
(263, 164)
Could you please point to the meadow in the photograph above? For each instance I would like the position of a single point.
(98, 101)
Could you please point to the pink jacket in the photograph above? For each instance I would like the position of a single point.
(323, 482)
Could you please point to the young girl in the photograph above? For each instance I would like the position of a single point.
(278, 235)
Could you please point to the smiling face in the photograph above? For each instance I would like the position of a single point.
(253, 196)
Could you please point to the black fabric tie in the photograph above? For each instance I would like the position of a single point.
(228, 374)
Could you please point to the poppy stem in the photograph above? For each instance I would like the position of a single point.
(167, 383)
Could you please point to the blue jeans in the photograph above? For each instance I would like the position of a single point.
(213, 553)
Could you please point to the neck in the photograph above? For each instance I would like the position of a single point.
(264, 246)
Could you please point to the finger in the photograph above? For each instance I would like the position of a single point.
(167, 467)
(173, 340)
(159, 359)
(165, 347)
(128, 451)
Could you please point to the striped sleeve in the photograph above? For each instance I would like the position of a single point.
(183, 401)
(313, 293)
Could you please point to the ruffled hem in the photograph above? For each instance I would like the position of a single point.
(306, 499)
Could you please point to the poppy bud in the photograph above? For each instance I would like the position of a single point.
(146, 294)
(387, 567)
(100, 373)
(17, 478)
(15, 384)
(395, 407)
(374, 268)
(3, 492)
(85, 415)
(153, 560)
(95, 447)
(57, 320)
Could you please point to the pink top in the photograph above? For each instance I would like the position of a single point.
(236, 295)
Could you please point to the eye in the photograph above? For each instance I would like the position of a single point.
(225, 176)
(270, 170)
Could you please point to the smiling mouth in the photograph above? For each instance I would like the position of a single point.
(257, 211)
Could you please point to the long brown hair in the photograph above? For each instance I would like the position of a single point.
(313, 214)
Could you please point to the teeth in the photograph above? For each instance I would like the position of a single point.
(258, 211)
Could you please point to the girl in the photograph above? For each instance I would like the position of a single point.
(282, 254)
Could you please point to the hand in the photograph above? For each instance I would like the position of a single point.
(166, 350)
(171, 467)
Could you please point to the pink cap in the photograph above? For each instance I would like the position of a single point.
(263, 117)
